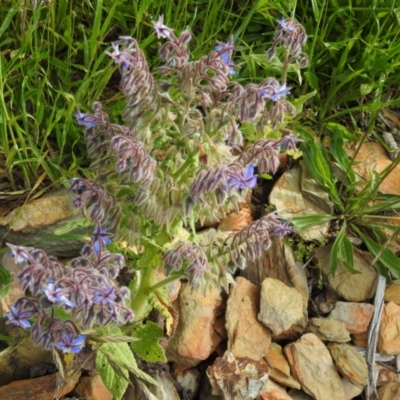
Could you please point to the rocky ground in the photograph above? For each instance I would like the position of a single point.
(285, 331)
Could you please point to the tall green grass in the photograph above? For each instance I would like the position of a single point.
(52, 60)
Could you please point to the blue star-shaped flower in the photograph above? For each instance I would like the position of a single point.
(248, 180)
(100, 238)
(18, 317)
(56, 295)
(104, 296)
(70, 344)
(85, 119)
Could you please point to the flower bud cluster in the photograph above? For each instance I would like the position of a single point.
(252, 241)
(86, 290)
(189, 256)
(292, 36)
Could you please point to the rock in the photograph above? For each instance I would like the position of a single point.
(350, 363)
(352, 287)
(189, 381)
(15, 365)
(312, 365)
(237, 378)
(372, 156)
(195, 339)
(278, 262)
(279, 367)
(356, 316)
(299, 395)
(171, 288)
(350, 391)
(241, 314)
(282, 309)
(45, 387)
(236, 220)
(392, 293)
(385, 375)
(165, 389)
(329, 329)
(92, 388)
(360, 339)
(296, 193)
(272, 391)
(40, 218)
(389, 391)
(205, 390)
(389, 333)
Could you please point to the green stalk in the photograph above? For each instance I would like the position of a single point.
(140, 303)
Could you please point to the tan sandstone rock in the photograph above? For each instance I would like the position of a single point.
(356, 316)
(247, 337)
(272, 391)
(92, 388)
(389, 391)
(329, 329)
(352, 287)
(312, 365)
(281, 308)
(389, 333)
(280, 369)
(195, 339)
(392, 293)
(350, 363)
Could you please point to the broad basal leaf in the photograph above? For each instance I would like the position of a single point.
(110, 361)
(148, 347)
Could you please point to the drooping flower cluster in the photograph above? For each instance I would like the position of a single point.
(86, 290)
(252, 241)
(264, 153)
(191, 257)
(223, 178)
(292, 36)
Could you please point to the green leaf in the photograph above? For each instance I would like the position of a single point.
(6, 338)
(5, 281)
(110, 359)
(312, 79)
(346, 254)
(334, 256)
(386, 258)
(299, 102)
(70, 226)
(148, 347)
(307, 221)
(315, 9)
(314, 156)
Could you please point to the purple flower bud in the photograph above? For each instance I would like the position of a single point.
(20, 253)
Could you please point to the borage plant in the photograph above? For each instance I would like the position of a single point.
(178, 161)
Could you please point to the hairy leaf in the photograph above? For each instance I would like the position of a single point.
(148, 347)
(109, 358)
